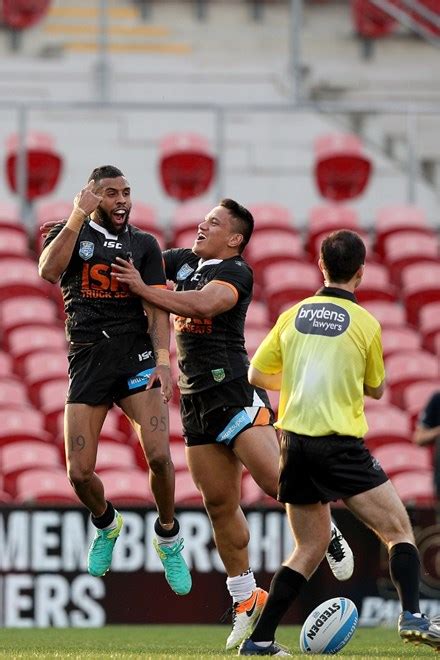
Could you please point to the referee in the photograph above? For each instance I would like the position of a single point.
(324, 354)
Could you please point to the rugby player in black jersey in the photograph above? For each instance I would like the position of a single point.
(118, 353)
(227, 422)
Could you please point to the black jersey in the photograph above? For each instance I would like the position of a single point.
(95, 303)
(210, 351)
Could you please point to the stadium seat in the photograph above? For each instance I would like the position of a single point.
(115, 455)
(372, 404)
(16, 457)
(389, 314)
(324, 219)
(408, 367)
(429, 324)
(10, 219)
(188, 217)
(27, 310)
(6, 364)
(54, 210)
(387, 424)
(253, 495)
(39, 367)
(186, 493)
(288, 282)
(415, 487)
(420, 286)
(19, 277)
(5, 498)
(369, 21)
(253, 338)
(48, 486)
(22, 424)
(257, 315)
(402, 457)
(44, 164)
(186, 165)
(376, 285)
(178, 454)
(403, 338)
(129, 486)
(13, 394)
(268, 217)
(416, 395)
(27, 339)
(408, 247)
(13, 245)
(268, 247)
(396, 218)
(342, 170)
(52, 397)
(144, 217)
(185, 239)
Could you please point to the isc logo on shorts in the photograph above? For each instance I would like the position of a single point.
(325, 319)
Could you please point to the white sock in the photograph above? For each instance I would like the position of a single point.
(241, 586)
(167, 540)
(263, 645)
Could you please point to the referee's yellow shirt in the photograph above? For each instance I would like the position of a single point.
(326, 347)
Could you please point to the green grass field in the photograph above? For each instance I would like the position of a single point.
(120, 642)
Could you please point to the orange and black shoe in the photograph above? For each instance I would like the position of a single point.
(244, 617)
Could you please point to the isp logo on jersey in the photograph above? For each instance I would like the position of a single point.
(86, 250)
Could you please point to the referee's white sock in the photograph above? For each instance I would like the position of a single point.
(241, 586)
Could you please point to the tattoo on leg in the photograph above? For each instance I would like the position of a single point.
(78, 442)
(158, 423)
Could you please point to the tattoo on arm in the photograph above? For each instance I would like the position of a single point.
(77, 443)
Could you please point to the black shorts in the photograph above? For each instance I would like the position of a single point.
(325, 468)
(109, 370)
(220, 414)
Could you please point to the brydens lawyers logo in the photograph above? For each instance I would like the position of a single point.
(86, 249)
(322, 319)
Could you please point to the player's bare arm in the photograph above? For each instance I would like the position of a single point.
(374, 392)
(266, 381)
(159, 331)
(424, 435)
(56, 256)
(212, 300)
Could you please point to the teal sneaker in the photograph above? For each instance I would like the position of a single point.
(176, 571)
(101, 550)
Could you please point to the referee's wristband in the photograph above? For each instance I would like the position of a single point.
(76, 219)
(163, 357)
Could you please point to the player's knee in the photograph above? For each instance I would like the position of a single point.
(160, 463)
(79, 476)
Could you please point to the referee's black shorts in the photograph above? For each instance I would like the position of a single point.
(325, 468)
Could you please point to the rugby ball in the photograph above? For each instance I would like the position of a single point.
(329, 627)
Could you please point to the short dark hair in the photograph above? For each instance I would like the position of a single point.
(105, 172)
(342, 253)
(244, 218)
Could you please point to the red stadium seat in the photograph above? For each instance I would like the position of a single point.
(54, 210)
(429, 324)
(188, 217)
(404, 338)
(13, 244)
(22, 14)
(16, 457)
(408, 247)
(115, 455)
(253, 495)
(39, 367)
(185, 238)
(185, 491)
(144, 217)
(22, 424)
(6, 364)
(373, 404)
(402, 457)
(387, 424)
(13, 394)
(254, 337)
(268, 217)
(257, 315)
(186, 165)
(5, 498)
(127, 487)
(370, 21)
(44, 164)
(44, 486)
(416, 396)
(288, 282)
(27, 310)
(396, 218)
(178, 454)
(420, 286)
(268, 247)
(10, 219)
(324, 219)
(375, 285)
(52, 397)
(19, 277)
(409, 367)
(342, 170)
(389, 314)
(27, 339)
(415, 487)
